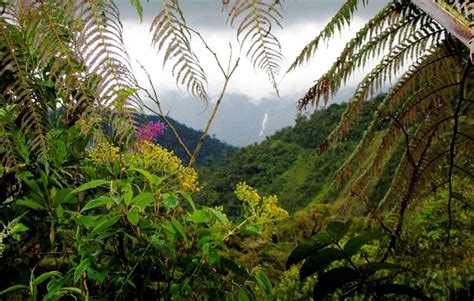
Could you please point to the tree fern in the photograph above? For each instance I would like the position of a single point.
(425, 108)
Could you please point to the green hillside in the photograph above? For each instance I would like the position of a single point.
(287, 163)
(212, 152)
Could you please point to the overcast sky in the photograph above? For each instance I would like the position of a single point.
(303, 19)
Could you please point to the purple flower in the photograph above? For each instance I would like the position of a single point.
(150, 131)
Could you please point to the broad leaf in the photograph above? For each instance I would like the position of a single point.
(319, 261)
(170, 201)
(104, 225)
(133, 216)
(30, 203)
(304, 250)
(89, 185)
(177, 225)
(332, 280)
(356, 243)
(234, 267)
(337, 229)
(143, 200)
(199, 217)
(101, 201)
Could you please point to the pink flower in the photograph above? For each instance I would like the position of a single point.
(150, 131)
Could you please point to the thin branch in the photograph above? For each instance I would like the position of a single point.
(211, 118)
(160, 112)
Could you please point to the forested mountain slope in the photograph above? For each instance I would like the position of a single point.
(213, 150)
(287, 163)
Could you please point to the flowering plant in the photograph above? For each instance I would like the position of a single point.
(150, 131)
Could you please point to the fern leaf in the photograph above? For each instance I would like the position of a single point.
(255, 29)
(170, 34)
(342, 19)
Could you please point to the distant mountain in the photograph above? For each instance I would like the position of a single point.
(213, 150)
(240, 120)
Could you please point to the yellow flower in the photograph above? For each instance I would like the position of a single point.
(103, 152)
(158, 160)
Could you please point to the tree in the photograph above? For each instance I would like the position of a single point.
(428, 106)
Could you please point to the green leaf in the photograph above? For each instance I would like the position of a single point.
(319, 261)
(356, 243)
(45, 276)
(244, 293)
(337, 230)
(332, 280)
(177, 225)
(81, 268)
(60, 150)
(263, 282)
(138, 7)
(152, 179)
(199, 217)
(30, 203)
(220, 216)
(234, 267)
(13, 288)
(89, 185)
(189, 199)
(170, 201)
(128, 196)
(397, 289)
(101, 201)
(104, 225)
(250, 229)
(133, 216)
(143, 200)
(303, 251)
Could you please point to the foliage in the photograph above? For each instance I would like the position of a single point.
(428, 107)
(285, 164)
(125, 226)
(338, 269)
(213, 151)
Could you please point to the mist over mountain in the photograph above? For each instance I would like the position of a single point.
(240, 120)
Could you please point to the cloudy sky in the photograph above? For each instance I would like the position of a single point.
(303, 19)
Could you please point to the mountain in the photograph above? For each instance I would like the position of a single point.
(212, 152)
(287, 163)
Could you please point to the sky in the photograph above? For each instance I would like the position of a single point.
(303, 19)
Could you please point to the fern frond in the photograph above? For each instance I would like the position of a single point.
(101, 47)
(14, 64)
(360, 50)
(264, 49)
(342, 19)
(170, 34)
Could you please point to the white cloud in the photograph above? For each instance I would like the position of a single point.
(246, 80)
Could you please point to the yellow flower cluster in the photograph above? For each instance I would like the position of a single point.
(271, 211)
(247, 194)
(156, 159)
(103, 153)
(265, 209)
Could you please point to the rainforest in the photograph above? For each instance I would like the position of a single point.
(105, 195)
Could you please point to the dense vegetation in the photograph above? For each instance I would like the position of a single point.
(379, 190)
(286, 163)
